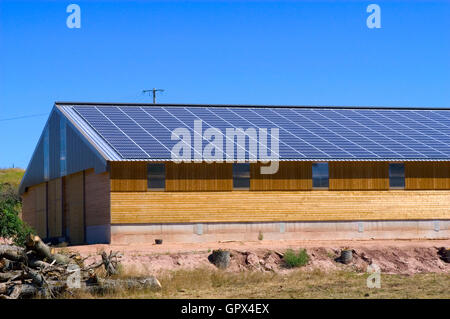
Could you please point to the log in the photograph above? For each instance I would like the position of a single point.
(34, 263)
(5, 286)
(7, 276)
(23, 291)
(35, 276)
(12, 253)
(110, 263)
(39, 270)
(7, 265)
(35, 243)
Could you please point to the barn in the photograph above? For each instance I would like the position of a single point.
(126, 173)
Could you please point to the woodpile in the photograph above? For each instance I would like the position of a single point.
(39, 271)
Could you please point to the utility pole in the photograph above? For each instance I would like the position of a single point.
(154, 93)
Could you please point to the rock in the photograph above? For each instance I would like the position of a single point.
(252, 260)
(220, 258)
(268, 267)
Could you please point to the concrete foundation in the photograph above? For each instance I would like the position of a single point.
(330, 230)
(98, 234)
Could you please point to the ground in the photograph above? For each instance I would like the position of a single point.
(409, 269)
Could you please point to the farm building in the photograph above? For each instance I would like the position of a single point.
(122, 173)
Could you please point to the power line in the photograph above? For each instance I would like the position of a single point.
(22, 117)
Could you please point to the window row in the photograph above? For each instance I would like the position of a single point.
(241, 176)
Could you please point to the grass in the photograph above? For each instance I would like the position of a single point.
(296, 259)
(12, 176)
(206, 283)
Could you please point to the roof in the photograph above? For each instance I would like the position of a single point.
(146, 132)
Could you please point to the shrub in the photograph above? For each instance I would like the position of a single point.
(11, 226)
(296, 259)
(260, 236)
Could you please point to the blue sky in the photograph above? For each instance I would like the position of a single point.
(268, 52)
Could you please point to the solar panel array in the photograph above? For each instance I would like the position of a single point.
(144, 132)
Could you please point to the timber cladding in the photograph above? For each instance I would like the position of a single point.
(427, 175)
(290, 176)
(358, 175)
(97, 197)
(74, 207)
(182, 177)
(260, 206)
(199, 177)
(34, 210)
(128, 176)
(55, 208)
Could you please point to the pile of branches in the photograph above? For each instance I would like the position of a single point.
(39, 271)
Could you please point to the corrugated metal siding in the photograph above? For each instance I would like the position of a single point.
(80, 154)
(35, 172)
(54, 145)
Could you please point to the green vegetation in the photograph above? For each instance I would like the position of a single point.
(260, 236)
(296, 259)
(11, 176)
(11, 226)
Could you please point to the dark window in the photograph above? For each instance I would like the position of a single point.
(156, 176)
(320, 175)
(241, 176)
(396, 175)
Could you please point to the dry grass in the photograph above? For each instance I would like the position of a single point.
(11, 176)
(205, 283)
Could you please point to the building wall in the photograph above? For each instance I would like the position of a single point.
(74, 207)
(299, 230)
(249, 206)
(427, 175)
(290, 176)
(200, 177)
(98, 208)
(87, 206)
(55, 208)
(128, 176)
(97, 196)
(34, 208)
(183, 177)
(77, 153)
(132, 176)
(358, 175)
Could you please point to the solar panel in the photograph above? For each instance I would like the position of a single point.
(144, 132)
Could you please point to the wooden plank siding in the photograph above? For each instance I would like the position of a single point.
(358, 175)
(128, 176)
(97, 196)
(427, 175)
(55, 207)
(184, 177)
(34, 208)
(245, 206)
(74, 207)
(290, 176)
